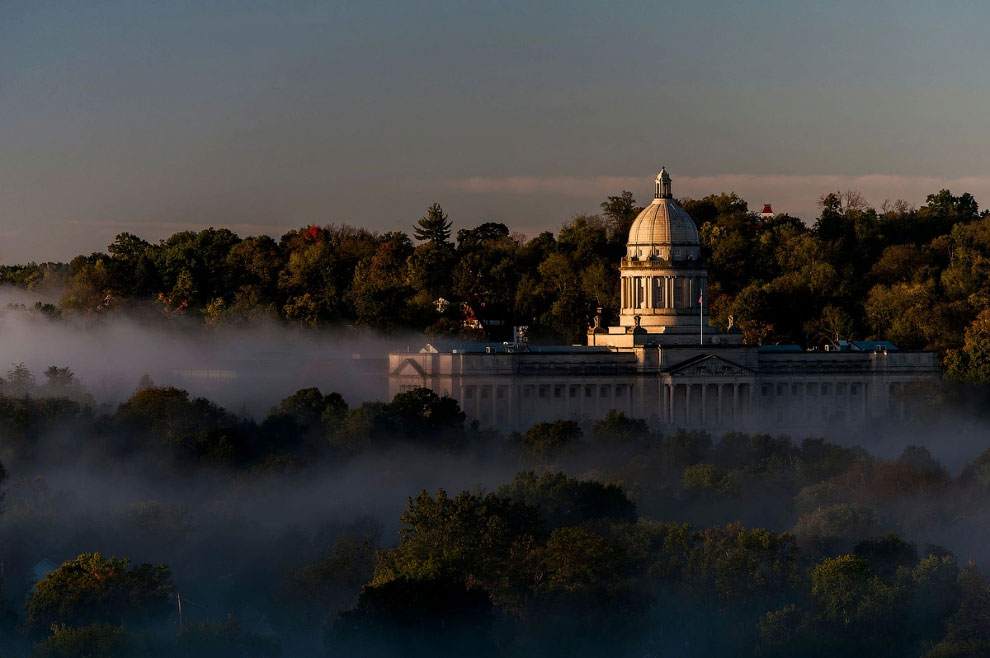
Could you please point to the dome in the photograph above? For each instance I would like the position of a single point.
(663, 222)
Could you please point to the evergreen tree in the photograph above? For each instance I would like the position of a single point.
(434, 227)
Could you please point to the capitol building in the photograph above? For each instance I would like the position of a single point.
(665, 363)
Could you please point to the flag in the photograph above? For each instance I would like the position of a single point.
(699, 299)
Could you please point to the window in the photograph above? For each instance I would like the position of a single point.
(468, 392)
(603, 391)
(486, 392)
(812, 389)
(841, 388)
(765, 390)
(780, 389)
(854, 389)
(589, 391)
(543, 391)
(573, 391)
(558, 391)
(620, 390)
(826, 389)
(795, 389)
(500, 392)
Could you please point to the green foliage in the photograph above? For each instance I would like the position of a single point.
(91, 588)
(835, 527)
(328, 585)
(182, 426)
(565, 501)
(707, 481)
(618, 429)
(971, 362)
(434, 226)
(917, 277)
(469, 538)
(849, 596)
(545, 440)
(85, 642)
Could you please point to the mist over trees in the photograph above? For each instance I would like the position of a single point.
(171, 525)
(579, 539)
(914, 276)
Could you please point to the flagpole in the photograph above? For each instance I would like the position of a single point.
(701, 318)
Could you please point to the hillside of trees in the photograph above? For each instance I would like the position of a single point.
(915, 276)
(606, 538)
(174, 526)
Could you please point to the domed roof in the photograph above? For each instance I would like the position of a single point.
(663, 221)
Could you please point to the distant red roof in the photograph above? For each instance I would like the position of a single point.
(767, 208)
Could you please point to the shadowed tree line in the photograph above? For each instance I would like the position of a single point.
(612, 537)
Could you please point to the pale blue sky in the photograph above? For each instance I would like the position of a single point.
(153, 116)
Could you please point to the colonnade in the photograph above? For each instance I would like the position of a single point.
(661, 291)
(709, 403)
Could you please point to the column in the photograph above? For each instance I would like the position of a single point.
(649, 291)
(687, 404)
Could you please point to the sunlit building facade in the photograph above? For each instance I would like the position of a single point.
(664, 362)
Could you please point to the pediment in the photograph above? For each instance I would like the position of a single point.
(710, 365)
(409, 367)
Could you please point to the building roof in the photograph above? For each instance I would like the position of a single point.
(663, 222)
(469, 347)
(780, 348)
(869, 345)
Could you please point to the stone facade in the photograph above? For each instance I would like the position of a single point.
(745, 388)
(666, 363)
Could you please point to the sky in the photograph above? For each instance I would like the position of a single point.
(154, 117)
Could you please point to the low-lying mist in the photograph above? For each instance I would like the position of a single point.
(246, 367)
(286, 541)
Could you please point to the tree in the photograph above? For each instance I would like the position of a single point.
(620, 212)
(104, 640)
(91, 588)
(482, 236)
(330, 583)
(855, 604)
(434, 616)
(430, 268)
(565, 501)
(971, 363)
(421, 413)
(547, 439)
(434, 227)
(616, 428)
(707, 481)
(19, 381)
(466, 539)
(837, 527)
(61, 382)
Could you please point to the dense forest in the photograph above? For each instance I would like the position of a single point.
(607, 538)
(915, 276)
(169, 525)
